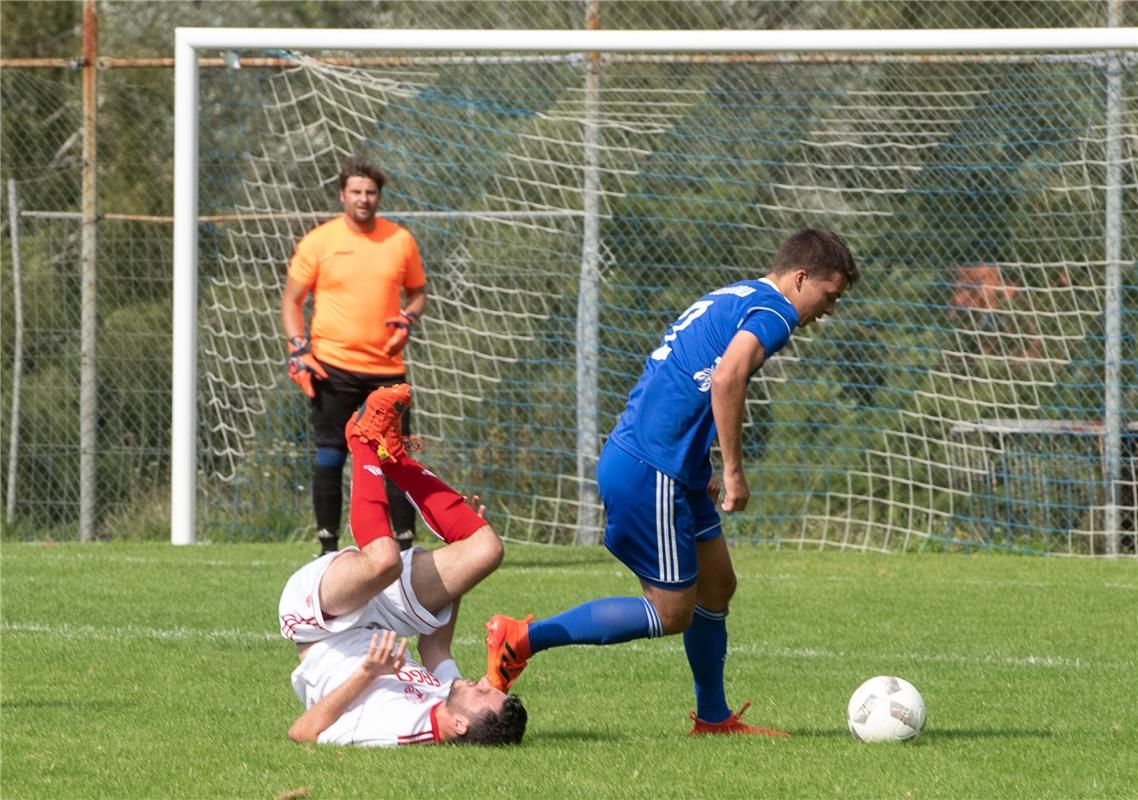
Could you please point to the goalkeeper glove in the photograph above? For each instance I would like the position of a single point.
(401, 332)
(303, 367)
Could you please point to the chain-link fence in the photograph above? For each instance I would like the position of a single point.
(1026, 244)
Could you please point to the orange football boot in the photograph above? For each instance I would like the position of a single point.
(379, 424)
(507, 649)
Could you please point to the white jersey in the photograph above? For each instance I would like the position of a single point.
(395, 710)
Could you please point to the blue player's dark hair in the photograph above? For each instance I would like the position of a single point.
(819, 251)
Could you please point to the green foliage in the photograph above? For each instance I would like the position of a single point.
(162, 674)
(40, 30)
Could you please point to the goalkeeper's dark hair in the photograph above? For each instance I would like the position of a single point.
(356, 167)
(819, 251)
(506, 726)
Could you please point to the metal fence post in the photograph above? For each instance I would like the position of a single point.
(88, 380)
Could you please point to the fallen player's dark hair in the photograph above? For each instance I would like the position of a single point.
(507, 726)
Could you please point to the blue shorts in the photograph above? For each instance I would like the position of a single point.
(652, 522)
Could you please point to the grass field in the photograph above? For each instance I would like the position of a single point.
(146, 671)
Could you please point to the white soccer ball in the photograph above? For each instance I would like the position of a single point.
(886, 709)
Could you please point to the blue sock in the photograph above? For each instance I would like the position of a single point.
(610, 620)
(705, 642)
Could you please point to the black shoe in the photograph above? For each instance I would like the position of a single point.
(405, 539)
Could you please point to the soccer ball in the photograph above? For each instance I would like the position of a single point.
(886, 709)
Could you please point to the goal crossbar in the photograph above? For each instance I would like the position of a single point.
(613, 41)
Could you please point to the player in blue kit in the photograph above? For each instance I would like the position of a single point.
(657, 484)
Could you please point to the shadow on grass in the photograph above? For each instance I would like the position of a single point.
(573, 736)
(935, 734)
(986, 733)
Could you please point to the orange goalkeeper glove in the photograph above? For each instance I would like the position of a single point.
(303, 367)
(401, 332)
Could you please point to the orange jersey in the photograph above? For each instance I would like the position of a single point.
(356, 281)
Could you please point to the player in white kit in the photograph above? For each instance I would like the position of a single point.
(349, 612)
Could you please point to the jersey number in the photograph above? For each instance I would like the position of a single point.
(694, 312)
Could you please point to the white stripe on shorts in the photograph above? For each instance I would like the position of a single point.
(667, 557)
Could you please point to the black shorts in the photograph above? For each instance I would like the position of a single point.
(339, 396)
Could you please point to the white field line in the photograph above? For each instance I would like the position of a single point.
(69, 632)
(91, 633)
(765, 650)
(70, 555)
(982, 582)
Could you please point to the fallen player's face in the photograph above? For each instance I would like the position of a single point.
(475, 698)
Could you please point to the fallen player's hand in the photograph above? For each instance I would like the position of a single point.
(383, 657)
(303, 367)
(400, 332)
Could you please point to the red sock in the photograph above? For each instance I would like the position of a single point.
(441, 507)
(368, 516)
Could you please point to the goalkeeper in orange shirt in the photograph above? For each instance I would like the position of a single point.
(368, 290)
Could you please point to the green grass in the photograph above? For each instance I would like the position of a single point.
(142, 670)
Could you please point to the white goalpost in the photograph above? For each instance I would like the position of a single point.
(574, 190)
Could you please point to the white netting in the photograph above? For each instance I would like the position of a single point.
(972, 195)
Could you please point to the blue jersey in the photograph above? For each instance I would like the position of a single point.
(668, 422)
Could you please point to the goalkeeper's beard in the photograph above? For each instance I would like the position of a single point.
(363, 217)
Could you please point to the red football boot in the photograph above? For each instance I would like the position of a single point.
(731, 725)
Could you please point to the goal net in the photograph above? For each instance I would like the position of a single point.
(569, 206)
